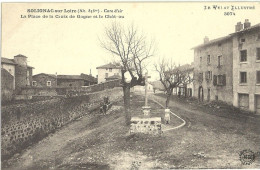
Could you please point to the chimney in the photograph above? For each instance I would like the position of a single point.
(247, 24)
(206, 39)
(239, 26)
(90, 73)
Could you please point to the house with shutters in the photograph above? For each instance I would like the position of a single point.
(228, 68)
(213, 72)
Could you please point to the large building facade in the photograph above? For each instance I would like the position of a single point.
(228, 68)
(246, 67)
(213, 70)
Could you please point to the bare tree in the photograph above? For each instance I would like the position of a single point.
(132, 49)
(172, 76)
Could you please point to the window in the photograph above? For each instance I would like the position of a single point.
(201, 76)
(209, 75)
(208, 59)
(48, 83)
(258, 77)
(106, 75)
(110, 69)
(257, 53)
(220, 62)
(242, 40)
(34, 83)
(243, 56)
(243, 78)
(219, 80)
(258, 37)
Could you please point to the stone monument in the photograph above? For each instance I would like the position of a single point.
(146, 124)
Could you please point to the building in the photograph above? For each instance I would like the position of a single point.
(246, 66)
(213, 76)
(19, 69)
(185, 89)
(44, 80)
(114, 77)
(9, 66)
(108, 70)
(7, 88)
(228, 68)
(70, 81)
(52, 80)
(88, 79)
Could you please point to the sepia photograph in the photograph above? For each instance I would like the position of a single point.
(130, 85)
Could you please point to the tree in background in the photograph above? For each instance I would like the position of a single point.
(132, 50)
(172, 76)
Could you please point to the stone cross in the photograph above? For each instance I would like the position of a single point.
(146, 108)
(146, 86)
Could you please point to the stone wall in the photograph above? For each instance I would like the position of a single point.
(6, 86)
(70, 82)
(71, 91)
(146, 125)
(24, 124)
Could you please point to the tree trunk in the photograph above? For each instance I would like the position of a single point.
(126, 90)
(167, 100)
(169, 93)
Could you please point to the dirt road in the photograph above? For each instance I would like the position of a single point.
(208, 140)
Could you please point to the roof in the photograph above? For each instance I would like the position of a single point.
(114, 77)
(228, 36)
(8, 61)
(20, 55)
(74, 77)
(247, 29)
(110, 65)
(11, 62)
(88, 77)
(51, 75)
(217, 40)
(30, 66)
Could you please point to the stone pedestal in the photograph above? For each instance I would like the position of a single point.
(146, 125)
(146, 111)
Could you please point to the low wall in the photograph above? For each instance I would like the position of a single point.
(70, 91)
(24, 124)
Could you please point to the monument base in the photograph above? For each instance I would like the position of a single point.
(151, 125)
(146, 110)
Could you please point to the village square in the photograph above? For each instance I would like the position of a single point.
(136, 109)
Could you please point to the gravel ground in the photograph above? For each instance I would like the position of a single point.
(210, 139)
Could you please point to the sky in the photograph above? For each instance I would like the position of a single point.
(71, 45)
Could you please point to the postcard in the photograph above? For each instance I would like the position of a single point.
(130, 85)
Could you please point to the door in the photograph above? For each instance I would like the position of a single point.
(243, 101)
(208, 97)
(257, 99)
